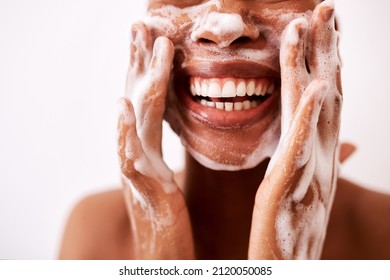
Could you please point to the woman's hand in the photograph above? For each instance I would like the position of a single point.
(160, 226)
(294, 200)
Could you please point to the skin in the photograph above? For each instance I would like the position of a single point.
(240, 213)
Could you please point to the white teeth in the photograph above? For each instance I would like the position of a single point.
(193, 90)
(228, 106)
(204, 89)
(264, 88)
(246, 105)
(210, 104)
(250, 88)
(258, 89)
(241, 89)
(219, 105)
(215, 90)
(237, 106)
(198, 88)
(229, 89)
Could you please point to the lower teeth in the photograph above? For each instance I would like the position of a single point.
(230, 106)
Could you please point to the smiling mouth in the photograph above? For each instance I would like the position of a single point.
(230, 102)
(231, 94)
(228, 94)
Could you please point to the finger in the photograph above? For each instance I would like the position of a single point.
(296, 147)
(141, 173)
(140, 53)
(152, 101)
(346, 150)
(323, 58)
(324, 64)
(140, 182)
(129, 145)
(293, 67)
(298, 144)
(330, 119)
(291, 155)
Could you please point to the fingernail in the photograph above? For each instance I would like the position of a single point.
(327, 13)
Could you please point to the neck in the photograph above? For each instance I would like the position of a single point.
(220, 204)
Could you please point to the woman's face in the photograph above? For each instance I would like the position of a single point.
(224, 99)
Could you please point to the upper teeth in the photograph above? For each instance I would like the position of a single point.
(230, 87)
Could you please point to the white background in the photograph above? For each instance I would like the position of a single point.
(62, 68)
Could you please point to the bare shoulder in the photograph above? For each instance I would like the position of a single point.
(97, 228)
(358, 226)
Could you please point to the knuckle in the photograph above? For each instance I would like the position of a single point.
(128, 168)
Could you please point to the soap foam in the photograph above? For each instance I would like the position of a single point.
(265, 148)
(301, 235)
(300, 226)
(308, 229)
(149, 163)
(164, 18)
(223, 25)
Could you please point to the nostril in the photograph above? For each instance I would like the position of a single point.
(241, 40)
(238, 41)
(205, 41)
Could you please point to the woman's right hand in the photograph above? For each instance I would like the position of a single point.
(159, 219)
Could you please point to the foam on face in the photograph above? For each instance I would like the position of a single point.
(219, 23)
(299, 236)
(165, 20)
(266, 146)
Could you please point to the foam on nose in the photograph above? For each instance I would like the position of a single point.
(225, 27)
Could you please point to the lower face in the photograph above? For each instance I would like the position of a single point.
(224, 100)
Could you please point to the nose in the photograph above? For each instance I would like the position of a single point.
(223, 29)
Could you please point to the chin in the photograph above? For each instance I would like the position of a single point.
(231, 161)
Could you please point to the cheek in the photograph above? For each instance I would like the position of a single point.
(171, 22)
(272, 22)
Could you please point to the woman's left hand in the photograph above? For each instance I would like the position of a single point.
(294, 200)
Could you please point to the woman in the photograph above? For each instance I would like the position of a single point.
(253, 90)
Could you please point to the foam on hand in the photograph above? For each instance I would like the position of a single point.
(223, 25)
(301, 228)
(300, 236)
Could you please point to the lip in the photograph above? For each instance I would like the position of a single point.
(237, 69)
(221, 119)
